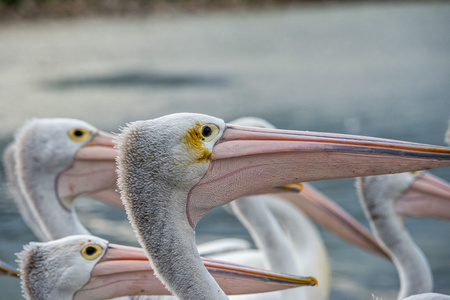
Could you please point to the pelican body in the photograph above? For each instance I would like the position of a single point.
(174, 169)
(386, 200)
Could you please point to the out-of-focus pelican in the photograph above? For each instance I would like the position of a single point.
(386, 200)
(50, 163)
(87, 267)
(418, 195)
(174, 169)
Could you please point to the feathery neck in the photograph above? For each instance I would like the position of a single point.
(154, 181)
(305, 241)
(26, 211)
(285, 236)
(267, 233)
(159, 220)
(53, 218)
(387, 226)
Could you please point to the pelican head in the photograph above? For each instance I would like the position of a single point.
(44, 271)
(87, 267)
(50, 163)
(410, 194)
(174, 169)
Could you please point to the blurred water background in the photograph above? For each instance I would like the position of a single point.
(361, 68)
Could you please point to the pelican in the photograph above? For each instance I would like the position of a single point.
(87, 267)
(174, 169)
(50, 162)
(386, 200)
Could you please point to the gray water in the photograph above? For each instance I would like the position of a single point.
(371, 69)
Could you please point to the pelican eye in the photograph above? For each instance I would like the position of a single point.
(79, 134)
(91, 251)
(207, 132)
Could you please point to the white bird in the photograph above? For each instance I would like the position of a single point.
(386, 200)
(50, 163)
(174, 169)
(83, 267)
(425, 196)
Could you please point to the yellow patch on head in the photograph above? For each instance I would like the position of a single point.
(194, 145)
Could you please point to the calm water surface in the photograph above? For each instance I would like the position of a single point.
(379, 70)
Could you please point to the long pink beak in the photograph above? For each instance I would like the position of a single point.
(248, 159)
(92, 171)
(428, 196)
(332, 217)
(126, 271)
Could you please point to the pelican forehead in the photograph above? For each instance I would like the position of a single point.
(51, 126)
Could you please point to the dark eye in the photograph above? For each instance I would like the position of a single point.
(206, 131)
(78, 134)
(90, 251)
